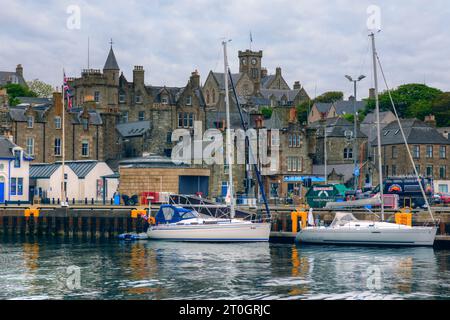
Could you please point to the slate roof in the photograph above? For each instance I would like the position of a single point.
(346, 107)
(133, 129)
(267, 80)
(46, 170)
(221, 80)
(158, 91)
(111, 62)
(11, 77)
(6, 147)
(371, 117)
(344, 169)
(151, 161)
(94, 116)
(43, 170)
(336, 127)
(416, 132)
(17, 113)
(34, 100)
(279, 94)
(323, 107)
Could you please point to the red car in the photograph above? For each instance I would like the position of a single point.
(445, 198)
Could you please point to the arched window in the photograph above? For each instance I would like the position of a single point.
(207, 97)
(213, 96)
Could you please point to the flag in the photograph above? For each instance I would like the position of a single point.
(67, 93)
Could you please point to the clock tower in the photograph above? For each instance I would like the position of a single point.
(250, 63)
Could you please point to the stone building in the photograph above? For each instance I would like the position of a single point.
(430, 150)
(320, 111)
(8, 77)
(89, 135)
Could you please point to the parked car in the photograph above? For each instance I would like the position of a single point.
(445, 198)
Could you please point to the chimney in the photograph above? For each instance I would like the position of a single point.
(138, 75)
(278, 71)
(297, 85)
(57, 103)
(372, 93)
(293, 115)
(431, 120)
(263, 72)
(351, 98)
(259, 122)
(195, 79)
(19, 70)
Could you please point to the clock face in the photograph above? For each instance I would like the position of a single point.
(244, 61)
(254, 61)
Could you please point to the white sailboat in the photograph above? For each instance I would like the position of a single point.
(174, 223)
(346, 229)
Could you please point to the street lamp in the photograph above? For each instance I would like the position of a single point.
(355, 136)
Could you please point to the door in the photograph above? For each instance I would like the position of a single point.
(2, 192)
(190, 185)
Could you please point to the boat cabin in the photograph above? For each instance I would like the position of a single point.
(172, 214)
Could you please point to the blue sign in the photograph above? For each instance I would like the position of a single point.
(301, 179)
(356, 172)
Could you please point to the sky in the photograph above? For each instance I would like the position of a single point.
(315, 42)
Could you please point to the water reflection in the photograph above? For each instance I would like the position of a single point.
(161, 270)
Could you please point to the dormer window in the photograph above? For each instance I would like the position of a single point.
(189, 100)
(165, 100)
(30, 121)
(138, 98)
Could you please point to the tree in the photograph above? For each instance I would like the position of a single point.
(303, 111)
(411, 100)
(15, 90)
(267, 112)
(42, 89)
(330, 97)
(441, 109)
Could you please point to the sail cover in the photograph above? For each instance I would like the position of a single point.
(343, 218)
(375, 201)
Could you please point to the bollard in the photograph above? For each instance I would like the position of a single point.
(92, 201)
(73, 200)
(85, 201)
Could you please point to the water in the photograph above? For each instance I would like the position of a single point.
(161, 270)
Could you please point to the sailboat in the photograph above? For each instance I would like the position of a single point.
(347, 230)
(175, 223)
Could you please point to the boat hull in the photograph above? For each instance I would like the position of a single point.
(417, 236)
(236, 232)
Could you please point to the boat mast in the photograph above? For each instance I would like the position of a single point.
(229, 144)
(377, 111)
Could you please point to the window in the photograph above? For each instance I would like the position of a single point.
(443, 172)
(299, 141)
(141, 115)
(294, 141)
(122, 97)
(57, 146)
(85, 148)
(213, 96)
(85, 123)
(20, 186)
(416, 152)
(189, 101)
(30, 146)
(17, 160)
(290, 141)
(165, 100)
(185, 120)
(207, 97)
(429, 152)
(394, 170)
(443, 152)
(394, 152)
(430, 171)
(169, 137)
(418, 168)
(348, 153)
(57, 122)
(443, 188)
(180, 120)
(13, 186)
(30, 121)
(125, 117)
(138, 98)
(294, 164)
(97, 96)
(191, 120)
(255, 73)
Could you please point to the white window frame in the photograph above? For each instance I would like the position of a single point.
(30, 146)
(30, 122)
(57, 146)
(58, 122)
(83, 143)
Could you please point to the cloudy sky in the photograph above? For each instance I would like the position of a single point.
(314, 41)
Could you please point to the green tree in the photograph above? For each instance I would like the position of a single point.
(303, 111)
(15, 90)
(267, 112)
(441, 109)
(411, 100)
(42, 89)
(330, 96)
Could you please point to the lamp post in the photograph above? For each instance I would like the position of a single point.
(355, 134)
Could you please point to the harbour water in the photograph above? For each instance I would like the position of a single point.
(44, 269)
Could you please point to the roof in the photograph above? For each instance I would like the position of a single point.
(11, 77)
(371, 117)
(6, 147)
(290, 95)
(346, 170)
(94, 116)
(46, 170)
(347, 107)
(158, 91)
(323, 107)
(111, 62)
(336, 127)
(17, 113)
(151, 161)
(416, 132)
(133, 129)
(43, 170)
(267, 80)
(34, 100)
(219, 76)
